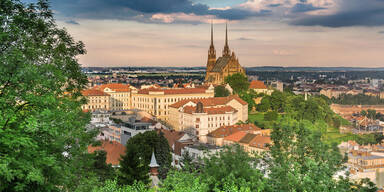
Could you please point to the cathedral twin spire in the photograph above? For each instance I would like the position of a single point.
(226, 50)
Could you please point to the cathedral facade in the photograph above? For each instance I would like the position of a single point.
(226, 65)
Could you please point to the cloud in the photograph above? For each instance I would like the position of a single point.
(381, 32)
(73, 22)
(147, 9)
(350, 13)
(304, 7)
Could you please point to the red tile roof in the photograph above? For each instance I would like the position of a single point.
(173, 91)
(114, 151)
(236, 137)
(210, 110)
(224, 131)
(214, 101)
(257, 85)
(118, 87)
(171, 135)
(260, 142)
(93, 92)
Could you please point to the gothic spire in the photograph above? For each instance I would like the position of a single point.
(211, 33)
(226, 51)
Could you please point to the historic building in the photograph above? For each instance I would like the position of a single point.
(226, 65)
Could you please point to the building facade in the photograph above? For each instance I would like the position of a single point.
(97, 100)
(120, 95)
(226, 65)
(182, 117)
(157, 101)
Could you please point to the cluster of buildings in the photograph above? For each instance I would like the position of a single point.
(365, 161)
(188, 115)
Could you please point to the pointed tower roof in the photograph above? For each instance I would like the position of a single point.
(211, 33)
(226, 51)
(153, 161)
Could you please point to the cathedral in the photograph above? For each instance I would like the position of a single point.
(226, 65)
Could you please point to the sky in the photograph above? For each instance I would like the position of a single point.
(316, 33)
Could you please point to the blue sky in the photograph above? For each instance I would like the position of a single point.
(261, 32)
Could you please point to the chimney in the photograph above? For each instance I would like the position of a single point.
(153, 165)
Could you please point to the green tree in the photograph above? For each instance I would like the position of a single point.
(112, 186)
(221, 91)
(103, 170)
(271, 116)
(265, 104)
(300, 161)
(139, 150)
(238, 82)
(371, 113)
(133, 167)
(43, 140)
(181, 181)
(235, 162)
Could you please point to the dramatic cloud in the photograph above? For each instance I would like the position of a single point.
(349, 13)
(304, 7)
(146, 10)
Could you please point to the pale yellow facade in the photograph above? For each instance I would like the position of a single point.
(157, 102)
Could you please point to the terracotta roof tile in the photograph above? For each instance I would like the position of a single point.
(173, 91)
(257, 85)
(236, 137)
(118, 87)
(210, 101)
(224, 131)
(114, 151)
(210, 110)
(93, 92)
(171, 135)
(260, 142)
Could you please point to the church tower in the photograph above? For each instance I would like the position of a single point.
(211, 53)
(226, 51)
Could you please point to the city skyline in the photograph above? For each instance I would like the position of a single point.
(176, 33)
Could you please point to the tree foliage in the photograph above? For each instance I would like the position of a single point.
(359, 99)
(43, 140)
(300, 161)
(221, 91)
(238, 82)
(134, 164)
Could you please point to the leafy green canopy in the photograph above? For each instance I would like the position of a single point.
(238, 82)
(42, 136)
(300, 161)
(221, 91)
(359, 99)
(134, 164)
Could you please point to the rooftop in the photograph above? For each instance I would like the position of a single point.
(93, 92)
(210, 101)
(173, 91)
(224, 131)
(114, 151)
(236, 137)
(210, 110)
(257, 85)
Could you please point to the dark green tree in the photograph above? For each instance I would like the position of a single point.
(221, 91)
(43, 140)
(265, 104)
(141, 146)
(271, 116)
(238, 82)
(133, 167)
(103, 170)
